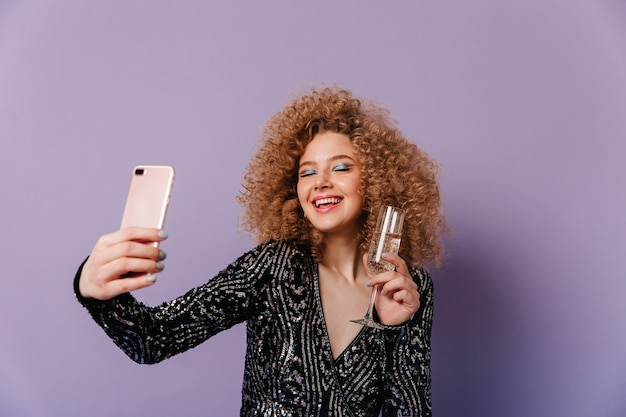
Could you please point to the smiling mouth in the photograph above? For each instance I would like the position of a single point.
(325, 202)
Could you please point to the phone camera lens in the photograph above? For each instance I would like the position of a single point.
(139, 171)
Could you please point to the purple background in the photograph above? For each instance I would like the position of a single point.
(523, 104)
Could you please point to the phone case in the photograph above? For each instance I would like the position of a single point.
(148, 196)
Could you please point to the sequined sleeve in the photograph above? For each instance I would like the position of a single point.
(152, 334)
(407, 387)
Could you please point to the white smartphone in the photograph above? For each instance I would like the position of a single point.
(148, 196)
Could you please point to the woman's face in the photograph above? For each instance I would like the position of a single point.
(329, 184)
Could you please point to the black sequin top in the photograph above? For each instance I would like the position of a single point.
(289, 367)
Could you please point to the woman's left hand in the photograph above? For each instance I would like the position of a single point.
(398, 296)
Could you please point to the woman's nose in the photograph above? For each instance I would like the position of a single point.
(322, 181)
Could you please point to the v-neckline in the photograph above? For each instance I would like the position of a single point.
(318, 299)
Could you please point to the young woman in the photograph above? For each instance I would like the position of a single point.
(310, 196)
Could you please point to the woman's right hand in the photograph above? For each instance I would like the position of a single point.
(116, 254)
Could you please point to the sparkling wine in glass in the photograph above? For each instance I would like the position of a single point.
(386, 239)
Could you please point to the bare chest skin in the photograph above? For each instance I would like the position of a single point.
(342, 300)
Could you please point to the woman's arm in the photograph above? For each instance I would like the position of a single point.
(407, 387)
(152, 334)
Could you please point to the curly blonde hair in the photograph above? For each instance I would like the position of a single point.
(393, 172)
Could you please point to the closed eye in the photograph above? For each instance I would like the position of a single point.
(307, 172)
(342, 167)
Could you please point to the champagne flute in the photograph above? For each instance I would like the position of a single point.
(386, 239)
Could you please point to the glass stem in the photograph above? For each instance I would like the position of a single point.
(368, 314)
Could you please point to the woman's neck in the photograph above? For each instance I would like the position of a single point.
(344, 257)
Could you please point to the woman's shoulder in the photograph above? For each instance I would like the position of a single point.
(283, 260)
(282, 251)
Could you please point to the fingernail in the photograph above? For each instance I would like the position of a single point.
(382, 292)
(385, 254)
(162, 255)
(162, 234)
(160, 266)
(369, 283)
(151, 278)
